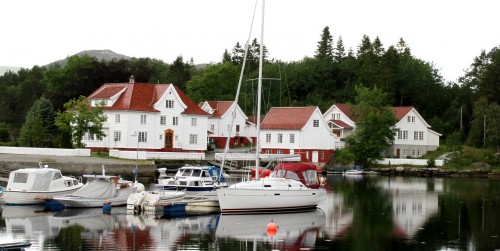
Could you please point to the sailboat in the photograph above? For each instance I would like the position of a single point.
(290, 187)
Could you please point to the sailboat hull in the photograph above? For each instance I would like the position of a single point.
(262, 198)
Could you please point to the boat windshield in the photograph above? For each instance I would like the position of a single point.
(196, 173)
(311, 177)
(285, 174)
(187, 173)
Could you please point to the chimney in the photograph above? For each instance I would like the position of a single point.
(131, 79)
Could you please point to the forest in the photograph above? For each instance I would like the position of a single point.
(468, 107)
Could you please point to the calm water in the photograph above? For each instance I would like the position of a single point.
(360, 213)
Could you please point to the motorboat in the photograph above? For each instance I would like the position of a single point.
(193, 179)
(290, 187)
(25, 186)
(146, 200)
(101, 189)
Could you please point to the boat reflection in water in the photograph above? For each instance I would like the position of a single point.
(294, 231)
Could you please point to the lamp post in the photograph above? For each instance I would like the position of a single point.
(136, 171)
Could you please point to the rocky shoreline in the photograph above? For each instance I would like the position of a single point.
(432, 172)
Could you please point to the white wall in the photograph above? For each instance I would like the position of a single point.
(415, 162)
(45, 151)
(317, 137)
(142, 155)
(411, 127)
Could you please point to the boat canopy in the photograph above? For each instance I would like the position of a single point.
(215, 172)
(306, 173)
(96, 188)
(33, 179)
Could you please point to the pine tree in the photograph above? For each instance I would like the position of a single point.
(339, 52)
(325, 49)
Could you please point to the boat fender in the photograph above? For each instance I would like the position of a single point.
(271, 229)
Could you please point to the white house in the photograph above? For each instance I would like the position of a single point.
(338, 118)
(220, 120)
(152, 117)
(297, 130)
(414, 137)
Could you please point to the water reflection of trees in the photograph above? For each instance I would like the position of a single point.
(416, 213)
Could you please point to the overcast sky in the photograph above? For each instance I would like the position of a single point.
(448, 33)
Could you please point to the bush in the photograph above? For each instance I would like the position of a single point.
(431, 163)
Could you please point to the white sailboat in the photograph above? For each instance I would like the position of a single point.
(283, 190)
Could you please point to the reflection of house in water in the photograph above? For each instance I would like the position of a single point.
(339, 217)
(414, 200)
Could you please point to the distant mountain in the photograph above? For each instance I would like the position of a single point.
(106, 55)
(4, 69)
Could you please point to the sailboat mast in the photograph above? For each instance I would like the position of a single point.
(259, 93)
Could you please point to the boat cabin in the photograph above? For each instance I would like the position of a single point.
(306, 173)
(193, 178)
(39, 179)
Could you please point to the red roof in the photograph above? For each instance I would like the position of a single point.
(287, 118)
(345, 108)
(340, 123)
(401, 111)
(141, 97)
(220, 107)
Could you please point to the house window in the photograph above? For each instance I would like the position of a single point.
(161, 136)
(212, 128)
(268, 137)
(268, 151)
(322, 154)
(169, 104)
(411, 119)
(405, 152)
(316, 123)
(143, 119)
(280, 138)
(193, 139)
(292, 138)
(117, 118)
(163, 120)
(117, 136)
(402, 134)
(175, 120)
(143, 137)
(420, 135)
(419, 152)
(193, 121)
(280, 151)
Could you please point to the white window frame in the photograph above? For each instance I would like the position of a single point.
(316, 123)
(117, 136)
(193, 121)
(117, 119)
(175, 121)
(143, 119)
(169, 103)
(268, 138)
(280, 138)
(193, 139)
(292, 138)
(143, 137)
(163, 120)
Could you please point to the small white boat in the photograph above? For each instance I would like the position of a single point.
(193, 179)
(354, 171)
(101, 189)
(26, 185)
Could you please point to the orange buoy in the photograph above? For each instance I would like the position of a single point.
(271, 228)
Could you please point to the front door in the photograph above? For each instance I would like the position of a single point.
(169, 139)
(397, 153)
